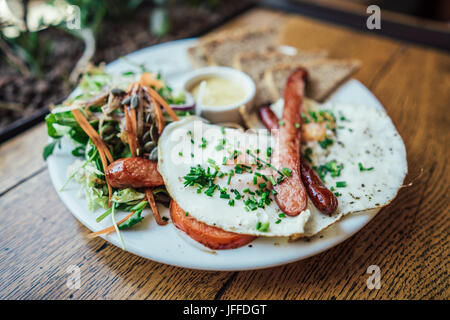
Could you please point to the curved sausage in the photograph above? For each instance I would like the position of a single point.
(211, 237)
(268, 118)
(310, 131)
(133, 172)
(323, 199)
(291, 193)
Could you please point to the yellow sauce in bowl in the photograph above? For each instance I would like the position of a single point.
(219, 92)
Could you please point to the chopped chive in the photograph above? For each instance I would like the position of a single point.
(263, 227)
(313, 115)
(266, 163)
(361, 167)
(229, 176)
(224, 195)
(272, 180)
(287, 171)
(325, 143)
(341, 184)
(204, 143)
(231, 203)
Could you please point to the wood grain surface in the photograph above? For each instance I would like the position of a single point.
(409, 240)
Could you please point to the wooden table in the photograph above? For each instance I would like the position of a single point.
(409, 241)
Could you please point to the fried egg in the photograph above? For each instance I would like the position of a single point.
(366, 150)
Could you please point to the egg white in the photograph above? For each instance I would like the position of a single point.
(367, 136)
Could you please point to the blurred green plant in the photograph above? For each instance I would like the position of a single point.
(30, 48)
(27, 51)
(94, 12)
(160, 19)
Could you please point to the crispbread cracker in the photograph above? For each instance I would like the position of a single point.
(325, 75)
(255, 63)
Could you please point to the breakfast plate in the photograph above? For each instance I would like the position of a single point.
(166, 244)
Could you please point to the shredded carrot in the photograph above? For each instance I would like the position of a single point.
(130, 132)
(163, 102)
(134, 126)
(105, 165)
(111, 228)
(103, 150)
(148, 80)
(86, 126)
(131, 86)
(159, 116)
(134, 123)
(152, 202)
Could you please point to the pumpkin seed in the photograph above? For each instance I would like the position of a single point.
(154, 132)
(108, 129)
(110, 137)
(149, 146)
(154, 154)
(134, 102)
(148, 118)
(146, 136)
(117, 91)
(127, 100)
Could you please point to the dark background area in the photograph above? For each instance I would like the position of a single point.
(36, 68)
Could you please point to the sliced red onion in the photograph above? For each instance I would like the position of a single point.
(188, 105)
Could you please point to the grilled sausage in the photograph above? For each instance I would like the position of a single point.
(133, 172)
(310, 131)
(323, 199)
(211, 237)
(268, 118)
(291, 193)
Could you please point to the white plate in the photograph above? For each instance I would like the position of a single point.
(166, 244)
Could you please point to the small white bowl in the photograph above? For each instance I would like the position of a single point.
(226, 113)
